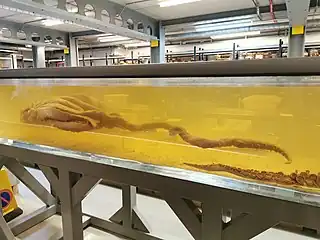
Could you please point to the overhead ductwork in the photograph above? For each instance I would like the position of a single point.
(208, 34)
(264, 27)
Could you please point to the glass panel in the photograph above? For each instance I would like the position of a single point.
(261, 129)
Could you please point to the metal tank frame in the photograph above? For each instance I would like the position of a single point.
(230, 208)
(248, 68)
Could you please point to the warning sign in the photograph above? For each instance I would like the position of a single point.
(7, 198)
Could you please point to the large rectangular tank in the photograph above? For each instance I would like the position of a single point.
(220, 118)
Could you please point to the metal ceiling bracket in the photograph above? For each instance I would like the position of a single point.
(257, 5)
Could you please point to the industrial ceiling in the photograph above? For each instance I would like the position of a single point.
(136, 20)
(193, 8)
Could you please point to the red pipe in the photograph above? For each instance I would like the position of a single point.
(273, 16)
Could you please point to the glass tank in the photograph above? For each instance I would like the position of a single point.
(255, 128)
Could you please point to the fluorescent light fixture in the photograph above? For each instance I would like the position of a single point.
(51, 22)
(138, 44)
(7, 51)
(222, 26)
(112, 39)
(170, 3)
(29, 46)
(235, 35)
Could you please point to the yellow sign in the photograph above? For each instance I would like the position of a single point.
(154, 43)
(298, 30)
(66, 51)
(7, 198)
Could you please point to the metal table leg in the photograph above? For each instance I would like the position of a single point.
(211, 221)
(71, 213)
(21, 224)
(5, 232)
(128, 215)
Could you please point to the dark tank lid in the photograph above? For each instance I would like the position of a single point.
(265, 67)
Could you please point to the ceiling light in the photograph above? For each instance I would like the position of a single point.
(225, 25)
(235, 35)
(7, 51)
(112, 39)
(139, 44)
(51, 22)
(170, 3)
(29, 46)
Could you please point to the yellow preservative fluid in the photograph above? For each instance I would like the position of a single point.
(261, 133)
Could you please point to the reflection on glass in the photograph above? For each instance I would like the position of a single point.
(259, 133)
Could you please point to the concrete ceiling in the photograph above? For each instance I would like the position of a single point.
(152, 8)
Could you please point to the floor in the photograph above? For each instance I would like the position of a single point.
(104, 201)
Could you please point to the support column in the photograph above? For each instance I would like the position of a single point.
(296, 42)
(158, 53)
(194, 53)
(14, 61)
(297, 14)
(39, 58)
(72, 55)
(234, 51)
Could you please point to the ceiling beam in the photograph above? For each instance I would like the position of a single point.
(86, 33)
(42, 10)
(23, 34)
(207, 34)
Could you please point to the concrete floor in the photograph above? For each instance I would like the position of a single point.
(104, 201)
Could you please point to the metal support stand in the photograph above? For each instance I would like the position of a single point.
(128, 215)
(71, 212)
(20, 225)
(5, 232)
(186, 214)
(224, 213)
(70, 189)
(203, 223)
(210, 221)
(126, 221)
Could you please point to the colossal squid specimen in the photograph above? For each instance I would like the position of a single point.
(82, 113)
(296, 178)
